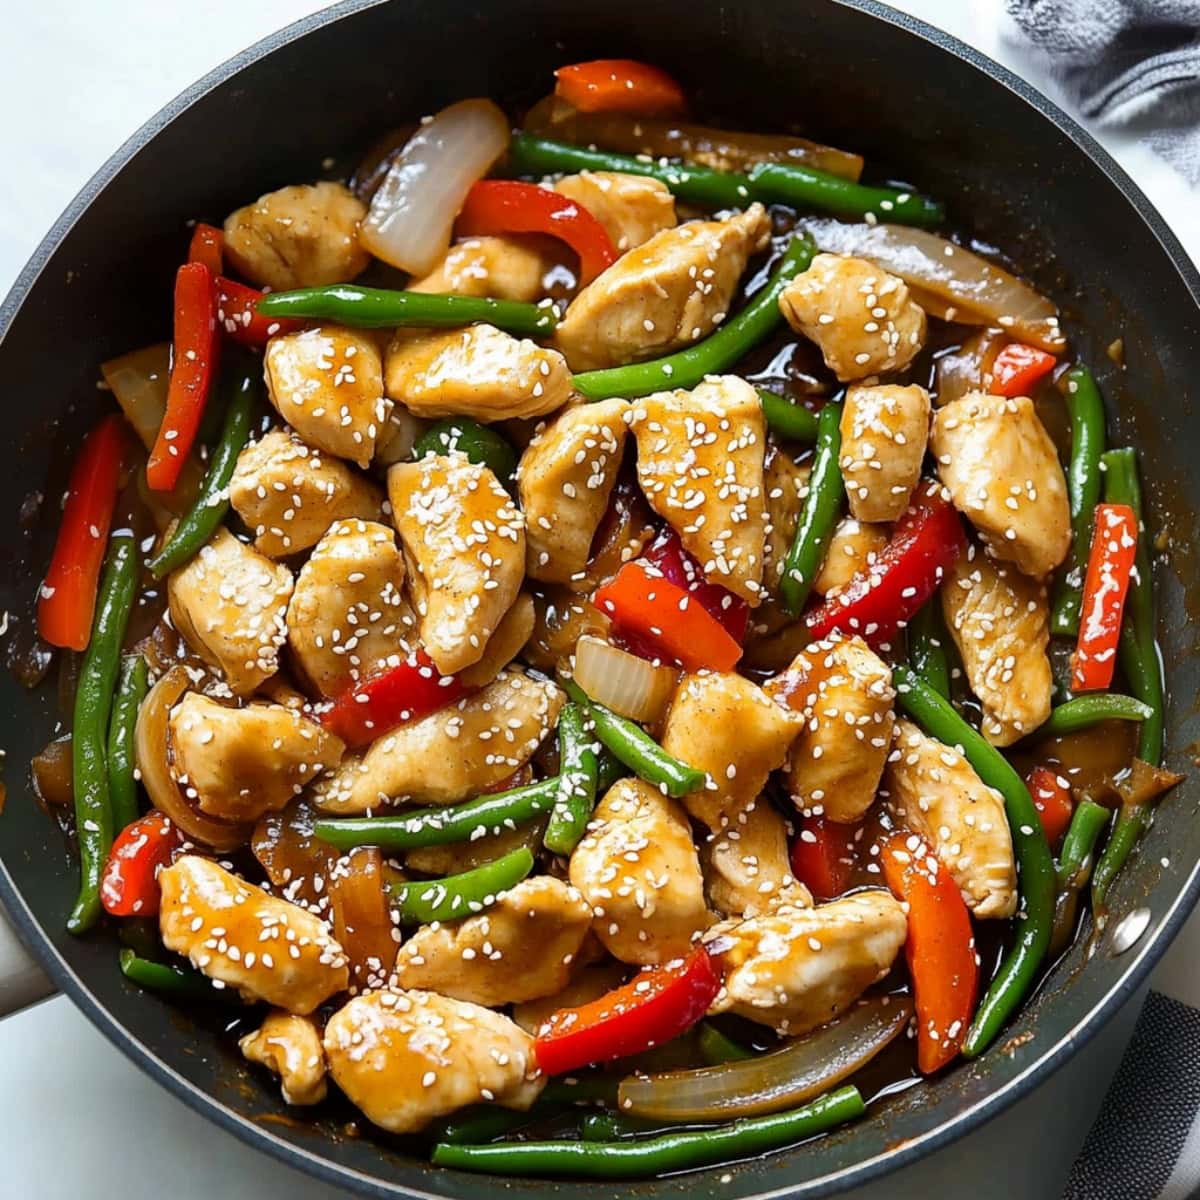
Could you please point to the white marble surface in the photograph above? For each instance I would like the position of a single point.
(78, 79)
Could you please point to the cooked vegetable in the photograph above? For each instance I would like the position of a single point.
(479, 443)
(67, 597)
(1086, 711)
(611, 1127)
(1075, 868)
(928, 639)
(1110, 566)
(238, 316)
(459, 895)
(576, 792)
(631, 686)
(671, 1152)
(122, 781)
(481, 1123)
(823, 855)
(805, 187)
(1018, 368)
(207, 247)
(787, 419)
(718, 1047)
(413, 209)
(161, 977)
(129, 885)
(382, 308)
(1052, 799)
(666, 552)
(1019, 968)
(619, 85)
(822, 507)
(686, 368)
(139, 381)
(968, 368)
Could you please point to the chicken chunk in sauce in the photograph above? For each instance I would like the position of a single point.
(290, 1046)
(884, 431)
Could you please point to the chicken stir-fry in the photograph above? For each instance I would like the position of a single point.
(549, 663)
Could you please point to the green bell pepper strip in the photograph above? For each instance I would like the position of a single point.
(1035, 918)
(442, 826)
(577, 771)
(822, 506)
(479, 443)
(382, 308)
(122, 783)
(927, 646)
(1088, 822)
(461, 895)
(786, 419)
(1084, 480)
(198, 525)
(1086, 711)
(654, 1156)
(804, 187)
(162, 977)
(630, 743)
(717, 1047)
(716, 353)
(89, 727)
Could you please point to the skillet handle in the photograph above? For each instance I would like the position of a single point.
(22, 981)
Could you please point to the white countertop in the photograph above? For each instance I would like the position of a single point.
(76, 1119)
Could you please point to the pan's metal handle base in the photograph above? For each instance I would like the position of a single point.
(22, 981)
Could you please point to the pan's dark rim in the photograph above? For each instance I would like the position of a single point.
(1138, 967)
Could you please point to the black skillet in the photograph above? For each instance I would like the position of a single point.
(1013, 168)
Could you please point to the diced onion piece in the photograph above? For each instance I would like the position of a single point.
(398, 437)
(413, 209)
(630, 686)
(946, 280)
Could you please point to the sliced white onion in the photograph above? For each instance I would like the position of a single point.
(946, 280)
(413, 209)
(630, 686)
(398, 436)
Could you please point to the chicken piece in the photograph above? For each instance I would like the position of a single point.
(517, 950)
(585, 985)
(239, 763)
(289, 494)
(1002, 472)
(637, 868)
(464, 541)
(932, 790)
(565, 477)
(862, 319)
(746, 864)
(230, 605)
(291, 1047)
(505, 268)
(1000, 622)
(797, 967)
(305, 235)
(729, 727)
(884, 431)
(674, 289)
(504, 645)
(561, 618)
(631, 208)
(406, 1058)
(843, 693)
(450, 755)
(700, 465)
(348, 617)
(480, 372)
(853, 547)
(266, 948)
(327, 383)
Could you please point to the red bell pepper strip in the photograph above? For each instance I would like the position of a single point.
(207, 247)
(926, 541)
(654, 610)
(666, 552)
(655, 1006)
(619, 85)
(824, 855)
(1110, 567)
(129, 884)
(497, 206)
(1018, 367)
(67, 598)
(412, 690)
(192, 368)
(1052, 799)
(239, 318)
(940, 948)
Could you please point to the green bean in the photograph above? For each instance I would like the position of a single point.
(718, 352)
(613, 1127)
(200, 522)
(927, 646)
(804, 187)
(382, 308)
(161, 977)
(577, 772)
(1086, 407)
(89, 728)
(1086, 711)
(669, 1152)
(1132, 821)
(609, 768)
(479, 1123)
(122, 782)
(822, 505)
(1088, 822)
(461, 895)
(593, 1087)
(786, 419)
(479, 443)
(637, 749)
(717, 1047)
(1037, 882)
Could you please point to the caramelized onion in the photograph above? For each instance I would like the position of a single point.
(52, 773)
(969, 367)
(362, 920)
(629, 685)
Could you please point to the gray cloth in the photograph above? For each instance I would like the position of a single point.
(1128, 64)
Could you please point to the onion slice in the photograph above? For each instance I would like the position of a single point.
(946, 280)
(629, 685)
(413, 209)
(969, 368)
(150, 747)
(771, 1082)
